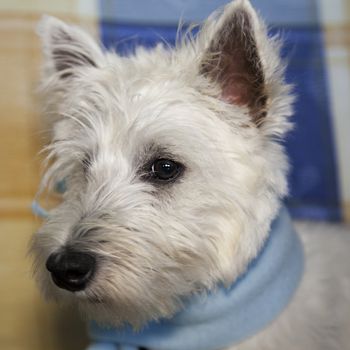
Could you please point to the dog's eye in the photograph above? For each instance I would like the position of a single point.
(166, 169)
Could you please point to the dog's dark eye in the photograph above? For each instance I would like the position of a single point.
(166, 169)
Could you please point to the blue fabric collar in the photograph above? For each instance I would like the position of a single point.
(223, 317)
(226, 316)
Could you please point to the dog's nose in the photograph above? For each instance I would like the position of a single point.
(71, 270)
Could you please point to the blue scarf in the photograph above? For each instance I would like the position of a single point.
(224, 317)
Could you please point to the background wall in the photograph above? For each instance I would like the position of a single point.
(317, 51)
(26, 321)
(317, 46)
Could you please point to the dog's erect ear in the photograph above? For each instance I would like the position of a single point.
(232, 58)
(67, 47)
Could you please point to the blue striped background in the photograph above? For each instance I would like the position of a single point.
(313, 179)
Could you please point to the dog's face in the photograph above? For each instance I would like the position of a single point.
(171, 164)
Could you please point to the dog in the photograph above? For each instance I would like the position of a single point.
(171, 228)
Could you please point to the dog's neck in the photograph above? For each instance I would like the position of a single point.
(226, 316)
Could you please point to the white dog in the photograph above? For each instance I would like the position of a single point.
(171, 221)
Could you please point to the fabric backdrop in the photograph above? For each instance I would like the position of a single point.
(320, 175)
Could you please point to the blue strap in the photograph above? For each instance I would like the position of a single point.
(38, 210)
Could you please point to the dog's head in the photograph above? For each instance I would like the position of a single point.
(171, 162)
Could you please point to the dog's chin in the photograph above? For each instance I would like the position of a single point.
(91, 307)
(115, 310)
(106, 314)
(111, 312)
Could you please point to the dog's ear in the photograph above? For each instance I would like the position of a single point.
(232, 57)
(66, 47)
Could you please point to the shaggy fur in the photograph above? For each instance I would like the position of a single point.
(219, 105)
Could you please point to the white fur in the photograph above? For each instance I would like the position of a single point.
(160, 243)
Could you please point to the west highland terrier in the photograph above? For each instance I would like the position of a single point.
(171, 229)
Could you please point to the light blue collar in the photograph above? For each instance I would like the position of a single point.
(226, 316)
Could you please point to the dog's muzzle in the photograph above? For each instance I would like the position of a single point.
(71, 270)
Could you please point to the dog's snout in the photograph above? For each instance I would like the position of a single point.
(71, 270)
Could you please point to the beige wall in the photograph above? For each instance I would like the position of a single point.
(26, 321)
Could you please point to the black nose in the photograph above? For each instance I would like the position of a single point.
(71, 270)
